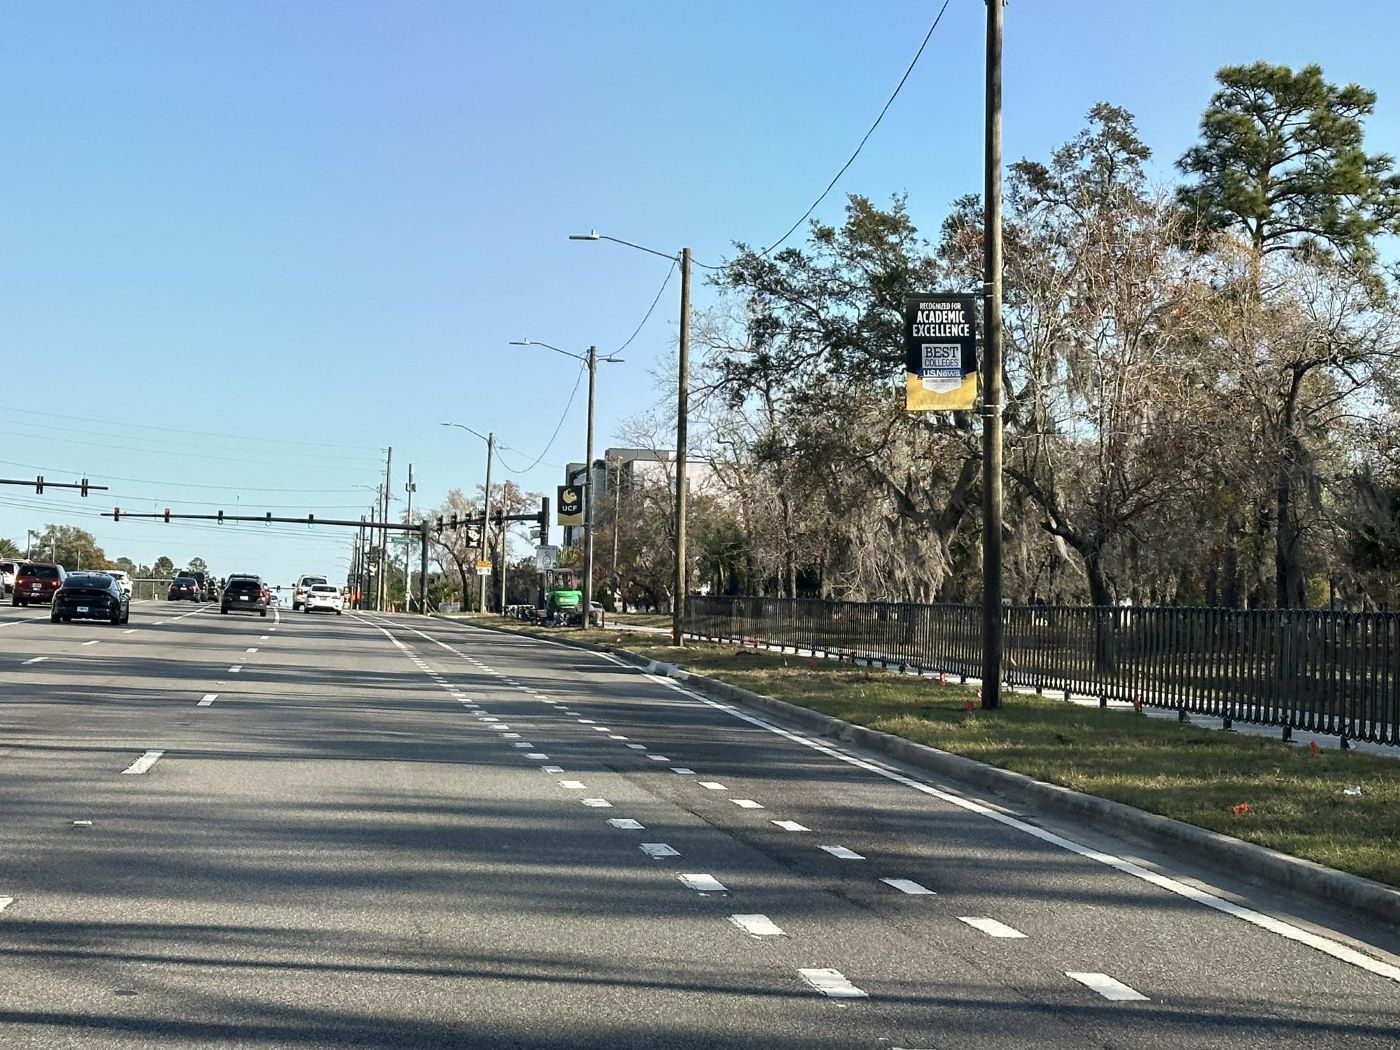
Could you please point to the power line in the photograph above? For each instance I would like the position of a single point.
(650, 308)
(865, 138)
(558, 426)
(170, 484)
(168, 452)
(278, 442)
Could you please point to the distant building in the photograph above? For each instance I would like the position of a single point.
(630, 469)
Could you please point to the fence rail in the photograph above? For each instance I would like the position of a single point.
(1328, 672)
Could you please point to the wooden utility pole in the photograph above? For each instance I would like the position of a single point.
(992, 624)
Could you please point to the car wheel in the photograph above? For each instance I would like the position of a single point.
(223, 609)
(339, 613)
(262, 612)
(54, 618)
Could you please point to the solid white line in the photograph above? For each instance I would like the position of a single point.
(746, 803)
(702, 883)
(657, 850)
(36, 660)
(907, 886)
(144, 763)
(842, 853)
(1113, 990)
(208, 700)
(791, 825)
(626, 824)
(713, 785)
(1333, 948)
(990, 927)
(757, 925)
(832, 983)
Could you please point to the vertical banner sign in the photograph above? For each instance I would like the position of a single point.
(940, 350)
(570, 505)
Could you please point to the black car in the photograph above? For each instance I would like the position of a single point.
(90, 596)
(183, 588)
(244, 593)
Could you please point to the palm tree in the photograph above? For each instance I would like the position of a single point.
(9, 548)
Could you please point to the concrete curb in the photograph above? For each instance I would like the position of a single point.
(1222, 852)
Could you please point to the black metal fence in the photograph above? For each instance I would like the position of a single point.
(1326, 672)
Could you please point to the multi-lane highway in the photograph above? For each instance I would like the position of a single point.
(363, 831)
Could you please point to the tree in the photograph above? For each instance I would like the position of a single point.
(71, 547)
(163, 568)
(453, 549)
(198, 565)
(9, 548)
(1281, 160)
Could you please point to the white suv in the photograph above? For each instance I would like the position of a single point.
(304, 585)
(8, 568)
(322, 596)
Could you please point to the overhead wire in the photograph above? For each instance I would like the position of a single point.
(865, 138)
(557, 427)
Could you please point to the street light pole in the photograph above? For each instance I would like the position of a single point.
(588, 494)
(590, 359)
(681, 581)
(410, 488)
(486, 513)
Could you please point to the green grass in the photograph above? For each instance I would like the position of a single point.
(1295, 799)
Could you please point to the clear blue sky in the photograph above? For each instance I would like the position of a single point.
(299, 233)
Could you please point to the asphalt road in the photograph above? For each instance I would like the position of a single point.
(364, 831)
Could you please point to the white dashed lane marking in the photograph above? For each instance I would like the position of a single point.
(36, 660)
(572, 785)
(144, 763)
(93, 642)
(702, 883)
(1111, 989)
(597, 803)
(842, 853)
(990, 927)
(626, 824)
(713, 785)
(657, 850)
(832, 983)
(235, 669)
(907, 886)
(791, 825)
(757, 925)
(207, 700)
(746, 803)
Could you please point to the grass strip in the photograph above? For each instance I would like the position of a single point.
(1294, 801)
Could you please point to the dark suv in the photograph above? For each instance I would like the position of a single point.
(244, 593)
(36, 581)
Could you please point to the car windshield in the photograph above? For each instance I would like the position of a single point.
(43, 572)
(323, 589)
(312, 580)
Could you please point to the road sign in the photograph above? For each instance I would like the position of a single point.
(483, 568)
(546, 558)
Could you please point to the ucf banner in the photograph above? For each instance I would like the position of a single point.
(940, 349)
(570, 504)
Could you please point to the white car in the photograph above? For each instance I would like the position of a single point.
(322, 596)
(303, 587)
(123, 579)
(8, 568)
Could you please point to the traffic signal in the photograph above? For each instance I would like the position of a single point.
(116, 514)
(439, 526)
(221, 517)
(167, 515)
(39, 484)
(83, 487)
(454, 523)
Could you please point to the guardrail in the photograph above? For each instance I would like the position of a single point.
(1328, 672)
